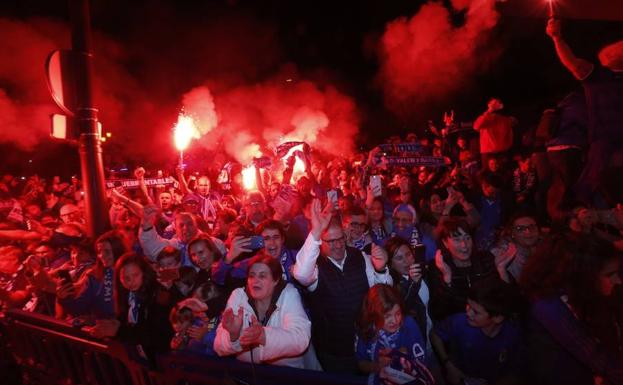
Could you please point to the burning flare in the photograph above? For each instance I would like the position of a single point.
(248, 178)
(184, 131)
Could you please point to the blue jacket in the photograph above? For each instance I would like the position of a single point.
(238, 270)
(96, 299)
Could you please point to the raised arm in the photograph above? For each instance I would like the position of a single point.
(182, 180)
(305, 270)
(139, 173)
(579, 67)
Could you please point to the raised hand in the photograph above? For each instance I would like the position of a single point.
(233, 323)
(553, 28)
(320, 218)
(139, 173)
(239, 245)
(254, 334)
(503, 257)
(443, 267)
(415, 272)
(378, 257)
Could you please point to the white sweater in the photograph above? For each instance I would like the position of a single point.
(288, 331)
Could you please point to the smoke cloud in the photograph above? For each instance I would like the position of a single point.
(255, 118)
(228, 74)
(427, 58)
(25, 104)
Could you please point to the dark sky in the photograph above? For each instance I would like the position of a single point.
(328, 42)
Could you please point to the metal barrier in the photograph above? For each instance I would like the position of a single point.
(50, 351)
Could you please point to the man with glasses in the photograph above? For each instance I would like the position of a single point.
(513, 250)
(254, 210)
(337, 278)
(354, 224)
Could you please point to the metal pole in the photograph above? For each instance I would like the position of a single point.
(91, 163)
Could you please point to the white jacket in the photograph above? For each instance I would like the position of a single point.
(288, 331)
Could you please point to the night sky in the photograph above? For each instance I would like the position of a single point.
(152, 53)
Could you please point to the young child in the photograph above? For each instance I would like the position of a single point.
(215, 299)
(385, 337)
(185, 315)
(485, 344)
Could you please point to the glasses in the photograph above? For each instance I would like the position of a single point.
(523, 228)
(334, 241)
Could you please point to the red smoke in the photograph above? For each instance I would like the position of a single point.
(25, 104)
(254, 118)
(140, 85)
(425, 58)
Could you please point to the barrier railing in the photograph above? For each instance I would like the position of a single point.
(50, 351)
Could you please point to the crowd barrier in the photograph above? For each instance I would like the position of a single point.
(49, 351)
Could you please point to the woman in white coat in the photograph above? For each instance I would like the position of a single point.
(264, 322)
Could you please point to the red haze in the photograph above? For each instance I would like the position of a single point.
(425, 59)
(257, 117)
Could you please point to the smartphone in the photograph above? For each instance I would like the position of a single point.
(420, 255)
(64, 276)
(257, 242)
(169, 274)
(332, 197)
(376, 186)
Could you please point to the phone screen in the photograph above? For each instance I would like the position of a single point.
(332, 197)
(257, 242)
(420, 254)
(375, 185)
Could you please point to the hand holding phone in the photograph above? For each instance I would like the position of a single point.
(332, 197)
(376, 185)
(257, 242)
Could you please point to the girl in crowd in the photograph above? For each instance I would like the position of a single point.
(407, 274)
(203, 253)
(142, 320)
(457, 267)
(264, 322)
(384, 332)
(379, 226)
(576, 315)
(94, 290)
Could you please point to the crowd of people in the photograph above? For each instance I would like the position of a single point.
(479, 255)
